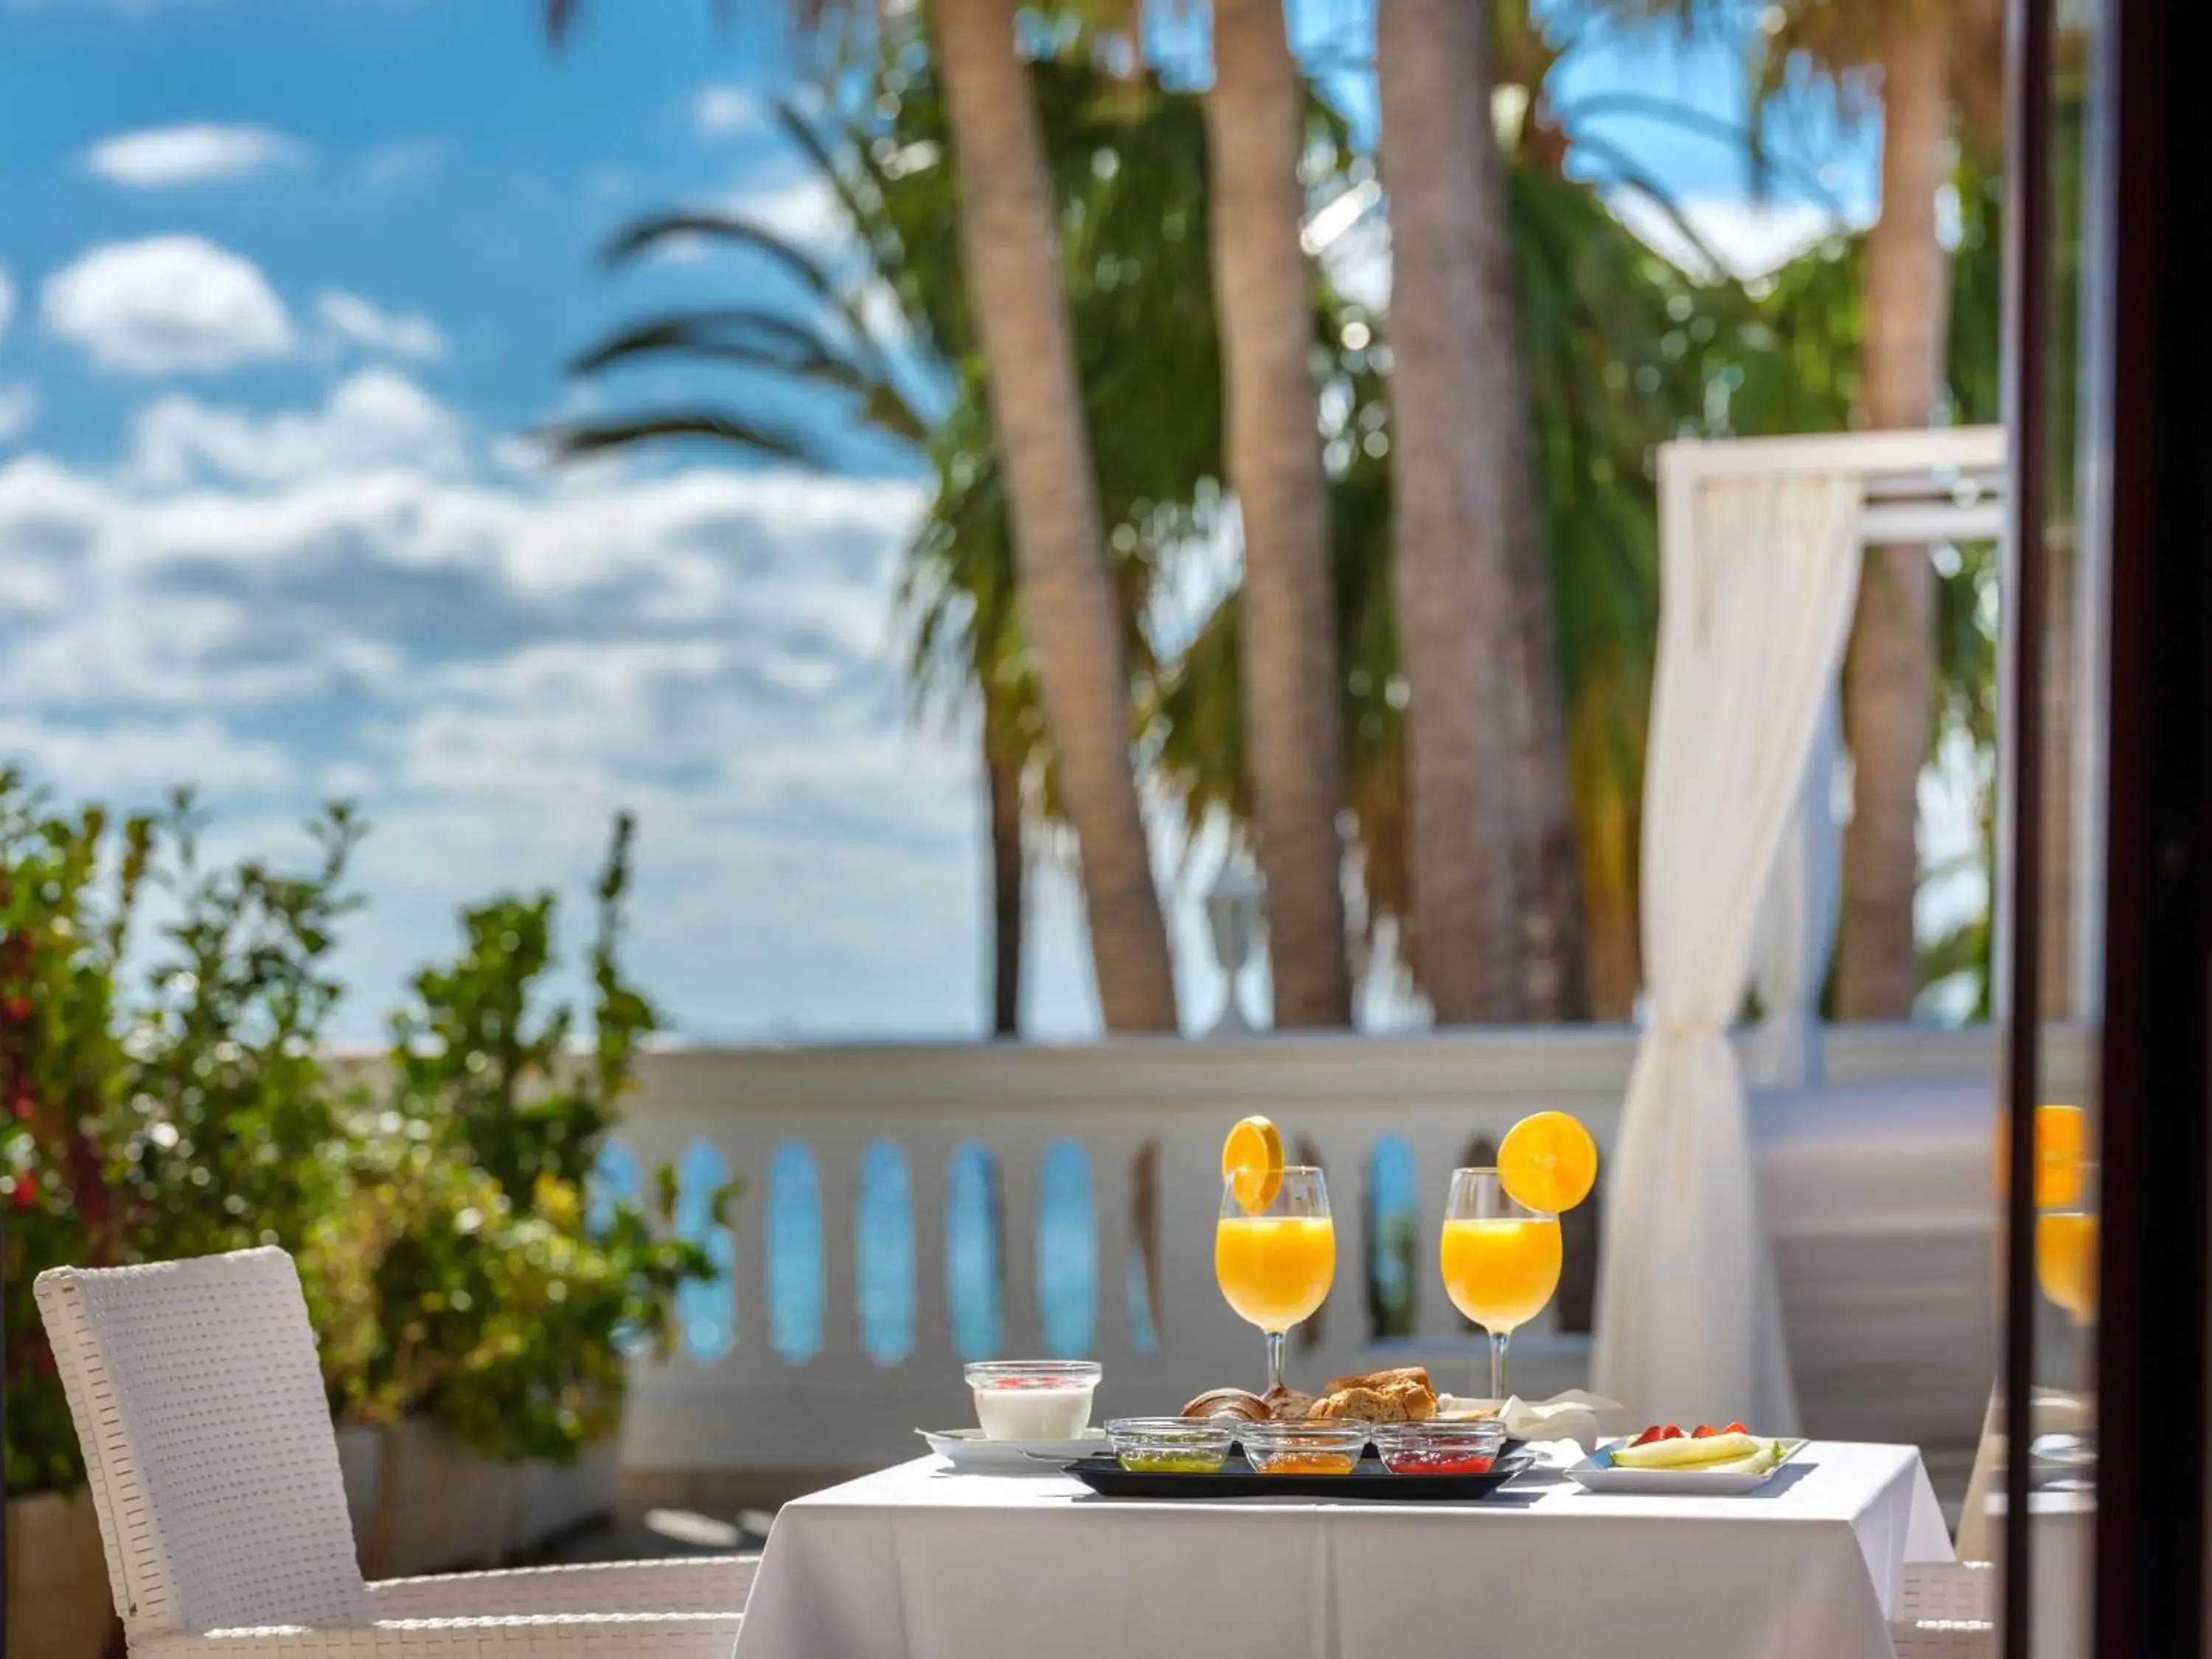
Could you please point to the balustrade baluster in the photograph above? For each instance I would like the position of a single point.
(1018, 1155)
(749, 1148)
(1113, 1152)
(929, 1154)
(837, 1168)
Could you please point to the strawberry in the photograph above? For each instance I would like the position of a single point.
(1655, 1432)
(1670, 1432)
(1704, 1431)
(1735, 1428)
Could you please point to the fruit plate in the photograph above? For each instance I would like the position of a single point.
(1599, 1473)
(1368, 1482)
(967, 1448)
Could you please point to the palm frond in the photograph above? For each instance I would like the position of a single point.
(642, 235)
(1687, 118)
(576, 439)
(760, 339)
(1629, 173)
(562, 16)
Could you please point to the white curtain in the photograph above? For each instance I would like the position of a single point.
(1797, 920)
(1758, 577)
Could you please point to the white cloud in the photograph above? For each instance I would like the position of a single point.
(390, 166)
(721, 109)
(804, 210)
(375, 420)
(235, 558)
(167, 304)
(135, 758)
(19, 407)
(1751, 237)
(355, 321)
(162, 158)
(354, 598)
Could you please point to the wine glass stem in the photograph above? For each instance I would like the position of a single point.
(1498, 1341)
(1275, 1341)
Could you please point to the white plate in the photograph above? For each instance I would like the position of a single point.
(1598, 1472)
(967, 1448)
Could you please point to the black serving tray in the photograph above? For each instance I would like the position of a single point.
(1369, 1481)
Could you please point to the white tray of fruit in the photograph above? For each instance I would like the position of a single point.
(1705, 1461)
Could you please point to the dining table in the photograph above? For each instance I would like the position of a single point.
(921, 1561)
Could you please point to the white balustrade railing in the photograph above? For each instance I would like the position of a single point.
(748, 1408)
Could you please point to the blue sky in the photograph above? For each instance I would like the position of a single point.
(280, 282)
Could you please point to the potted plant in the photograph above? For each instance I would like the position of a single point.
(480, 1305)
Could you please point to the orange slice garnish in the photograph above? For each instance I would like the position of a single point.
(1547, 1162)
(1252, 1163)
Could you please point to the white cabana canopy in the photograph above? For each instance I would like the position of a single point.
(1759, 554)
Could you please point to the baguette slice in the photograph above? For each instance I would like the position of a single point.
(1686, 1453)
(1361, 1405)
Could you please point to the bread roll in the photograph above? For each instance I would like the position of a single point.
(1229, 1402)
(1288, 1405)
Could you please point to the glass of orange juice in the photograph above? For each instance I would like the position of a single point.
(2066, 1250)
(1274, 1254)
(1500, 1258)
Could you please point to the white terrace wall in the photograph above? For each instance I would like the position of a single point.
(1892, 1320)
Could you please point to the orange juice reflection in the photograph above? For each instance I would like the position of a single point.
(1500, 1272)
(1275, 1270)
(2066, 1261)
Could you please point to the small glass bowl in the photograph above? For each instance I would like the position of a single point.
(1439, 1448)
(1329, 1447)
(1171, 1445)
(1034, 1399)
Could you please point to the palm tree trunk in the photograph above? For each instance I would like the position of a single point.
(1449, 569)
(1889, 675)
(1010, 249)
(1255, 132)
(1556, 978)
(1554, 966)
(1009, 866)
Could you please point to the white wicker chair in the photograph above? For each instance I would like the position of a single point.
(214, 1470)
(1945, 1638)
(1944, 1612)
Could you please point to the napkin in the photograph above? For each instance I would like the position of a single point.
(1570, 1416)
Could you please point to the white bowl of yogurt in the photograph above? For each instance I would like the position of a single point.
(1034, 1399)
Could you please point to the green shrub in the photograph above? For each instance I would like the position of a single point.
(67, 889)
(231, 1135)
(437, 1211)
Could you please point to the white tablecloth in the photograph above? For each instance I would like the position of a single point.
(919, 1563)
